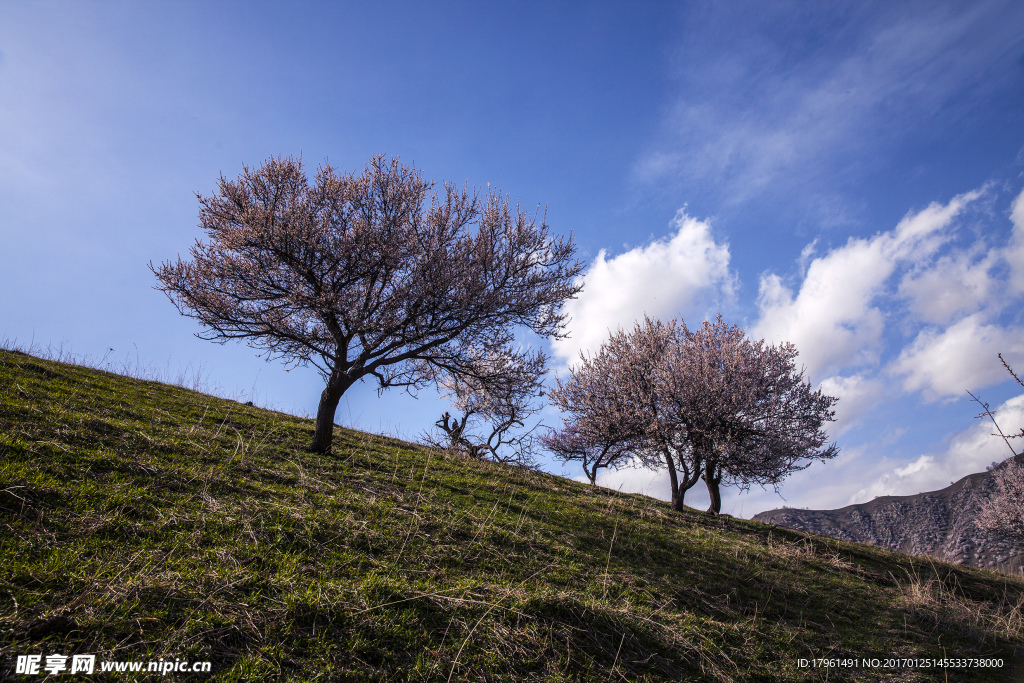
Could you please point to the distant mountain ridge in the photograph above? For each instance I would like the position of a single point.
(938, 523)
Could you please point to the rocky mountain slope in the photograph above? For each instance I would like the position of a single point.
(937, 523)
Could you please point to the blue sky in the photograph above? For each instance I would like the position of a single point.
(846, 176)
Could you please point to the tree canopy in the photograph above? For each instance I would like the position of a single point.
(749, 415)
(608, 402)
(705, 403)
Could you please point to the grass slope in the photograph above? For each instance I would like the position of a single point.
(163, 522)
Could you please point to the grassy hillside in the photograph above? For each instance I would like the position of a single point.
(158, 522)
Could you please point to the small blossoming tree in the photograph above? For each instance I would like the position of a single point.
(750, 416)
(705, 404)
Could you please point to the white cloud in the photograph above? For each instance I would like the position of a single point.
(797, 118)
(662, 279)
(919, 234)
(805, 256)
(968, 452)
(637, 480)
(1014, 252)
(955, 284)
(960, 358)
(919, 465)
(833, 320)
(857, 395)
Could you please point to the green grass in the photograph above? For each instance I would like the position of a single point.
(168, 523)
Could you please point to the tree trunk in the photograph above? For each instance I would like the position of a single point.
(673, 478)
(686, 484)
(712, 481)
(337, 384)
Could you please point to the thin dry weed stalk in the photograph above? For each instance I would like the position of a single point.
(808, 550)
(943, 599)
(608, 562)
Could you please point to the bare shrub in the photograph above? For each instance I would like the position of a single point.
(492, 415)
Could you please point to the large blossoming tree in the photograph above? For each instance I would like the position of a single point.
(380, 275)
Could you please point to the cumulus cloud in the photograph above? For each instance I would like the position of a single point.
(857, 394)
(1014, 253)
(962, 357)
(663, 278)
(833, 319)
(652, 483)
(960, 283)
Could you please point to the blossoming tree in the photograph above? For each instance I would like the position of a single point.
(380, 275)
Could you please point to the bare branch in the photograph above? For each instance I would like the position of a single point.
(1010, 370)
(986, 411)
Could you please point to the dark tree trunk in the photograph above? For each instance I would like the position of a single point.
(713, 490)
(686, 484)
(332, 393)
(673, 478)
(680, 487)
(599, 462)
